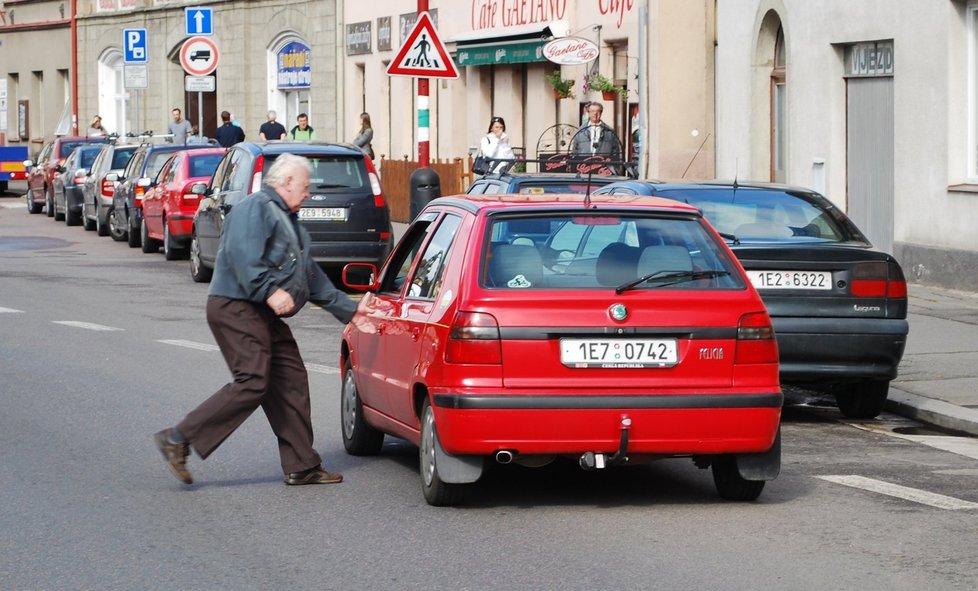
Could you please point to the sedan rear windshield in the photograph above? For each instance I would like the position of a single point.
(770, 216)
(204, 164)
(121, 156)
(334, 173)
(605, 250)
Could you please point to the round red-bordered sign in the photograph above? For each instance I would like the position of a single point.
(199, 56)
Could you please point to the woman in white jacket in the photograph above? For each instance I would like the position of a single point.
(495, 144)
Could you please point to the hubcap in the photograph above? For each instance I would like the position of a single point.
(349, 404)
(194, 255)
(428, 447)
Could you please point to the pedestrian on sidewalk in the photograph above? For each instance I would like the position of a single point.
(302, 132)
(228, 134)
(271, 129)
(365, 136)
(264, 272)
(179, 128)
(95, 128)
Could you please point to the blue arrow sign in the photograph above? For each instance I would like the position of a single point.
(134, 44)
(199, 20)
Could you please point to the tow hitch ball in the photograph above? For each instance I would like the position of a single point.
(596, 461)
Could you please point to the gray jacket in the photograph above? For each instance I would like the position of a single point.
(263, 247)
(608, 144)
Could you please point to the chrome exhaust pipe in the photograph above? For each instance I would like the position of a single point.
(504, 456)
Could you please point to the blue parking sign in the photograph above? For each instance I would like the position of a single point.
(199, 20)
(134, 46)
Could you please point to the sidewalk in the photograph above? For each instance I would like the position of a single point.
(938, 381)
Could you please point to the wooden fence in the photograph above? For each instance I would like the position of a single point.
(455, 176)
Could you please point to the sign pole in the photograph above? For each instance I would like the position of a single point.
(423, 110)
(200, 113)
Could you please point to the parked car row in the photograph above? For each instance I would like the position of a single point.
(154, 195)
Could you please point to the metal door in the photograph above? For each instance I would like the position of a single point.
(869, 160)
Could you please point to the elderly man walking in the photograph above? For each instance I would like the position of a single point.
(264, 271)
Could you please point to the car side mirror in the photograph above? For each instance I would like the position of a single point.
(28, 163)
(59, 168)
(145, 182)
(112, 177)
(81, 172)
(224, 207)
(198, 188)
(360, 276)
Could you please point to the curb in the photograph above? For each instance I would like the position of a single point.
(935, 412)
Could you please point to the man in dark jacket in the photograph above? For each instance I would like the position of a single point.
(228, 134)
(263, 271)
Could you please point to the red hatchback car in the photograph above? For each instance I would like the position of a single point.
(523, 328)
(171, 200)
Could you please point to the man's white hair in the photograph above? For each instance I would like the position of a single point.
(285, 166)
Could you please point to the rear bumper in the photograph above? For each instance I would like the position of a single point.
(337, 253)
(833, 350)
(668, 424)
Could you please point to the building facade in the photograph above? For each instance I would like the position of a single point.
(35, 86)
(497, 46)
(872, 103)
(271, 55)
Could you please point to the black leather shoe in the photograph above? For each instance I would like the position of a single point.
(313, 476)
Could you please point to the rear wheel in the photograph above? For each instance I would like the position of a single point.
(171, 251)
(730, 484)
(198, 271)
(117, 229)
(359, 438)
(149, 244)
(864, 400)
(436, 492)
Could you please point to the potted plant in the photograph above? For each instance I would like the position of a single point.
(607, 88)
(562, 88)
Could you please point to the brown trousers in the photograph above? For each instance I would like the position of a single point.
(268, 371)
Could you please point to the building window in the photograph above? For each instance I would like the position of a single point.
(111, 95)
(778, 111)
(973, 92)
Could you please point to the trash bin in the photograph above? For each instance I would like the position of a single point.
(425, 186)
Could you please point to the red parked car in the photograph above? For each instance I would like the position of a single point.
(524, 328)
(171, 200)
(40, 176)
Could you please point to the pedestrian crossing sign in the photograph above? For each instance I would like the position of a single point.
(423, 54)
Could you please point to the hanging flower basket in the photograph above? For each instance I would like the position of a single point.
(562, 88)
(607, 88)
(609, 95)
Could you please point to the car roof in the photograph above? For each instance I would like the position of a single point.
(476, 203)
(656, 185)
(278, 147)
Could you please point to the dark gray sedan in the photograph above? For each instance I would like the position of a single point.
(839, 306)
(68, 181)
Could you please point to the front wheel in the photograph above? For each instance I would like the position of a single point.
(436, 492)
(149, 244)
(730, 484)
(171, 251)
(863, 400)
(134, 234)
(49, 203)
(31, 206)
(198, 271)
(359, 438)
(87, 222)
(117, 229)
(72, 218)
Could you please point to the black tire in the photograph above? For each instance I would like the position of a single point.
(133, 234)
(436, 492)
(198, 271)
(116, 229)
(31, 206)
(51, 208)
(863, 400)
(72, 218)
(87, 222)
(359, 438)
(730, 484)
(171, 251)
(149, 245)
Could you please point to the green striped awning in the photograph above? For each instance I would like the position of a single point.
(499, 53)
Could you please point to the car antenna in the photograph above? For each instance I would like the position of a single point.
(587, 194)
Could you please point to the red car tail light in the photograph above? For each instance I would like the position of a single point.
(474, 338)
(256, 178)
(878, 279)
(108, 188)
(755, 340)
(379, 200)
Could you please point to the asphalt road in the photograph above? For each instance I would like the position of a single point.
(103, 345)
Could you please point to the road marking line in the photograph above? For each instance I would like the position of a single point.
(317, 368)
(85, 325)
(963, 446)
(914, 495)
(10, 311)
(191, 345)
